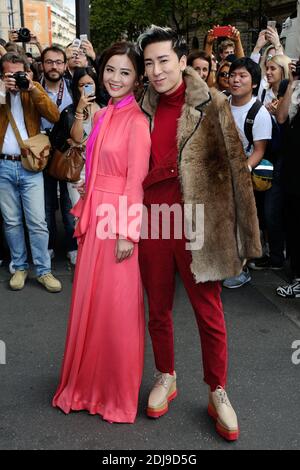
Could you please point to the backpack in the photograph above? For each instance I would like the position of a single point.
(262, 174)
(273, 145)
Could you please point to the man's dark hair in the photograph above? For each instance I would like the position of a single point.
(12, 58)
(158, 34)
(252, 67)
(53, 49)
(199, 55)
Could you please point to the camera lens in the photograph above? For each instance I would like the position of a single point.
(24, 35)
(22, 81)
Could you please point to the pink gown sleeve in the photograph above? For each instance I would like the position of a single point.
(139, 146)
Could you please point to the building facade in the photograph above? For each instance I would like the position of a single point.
(10, 17)
(50, 20)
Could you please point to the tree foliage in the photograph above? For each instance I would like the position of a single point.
(112, 20)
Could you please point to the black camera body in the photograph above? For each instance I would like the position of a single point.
(23, 35)
(296, 73)
(22, 81)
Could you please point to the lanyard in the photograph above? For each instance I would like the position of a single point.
(60, 92)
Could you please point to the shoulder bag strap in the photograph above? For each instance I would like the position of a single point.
(14, 126)
(249, 121)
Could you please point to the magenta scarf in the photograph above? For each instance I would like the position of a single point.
(95, 131)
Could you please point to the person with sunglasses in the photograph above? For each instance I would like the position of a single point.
(222, 82)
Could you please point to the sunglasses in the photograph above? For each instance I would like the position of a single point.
(224, 74)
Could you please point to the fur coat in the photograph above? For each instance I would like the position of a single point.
(213, 172)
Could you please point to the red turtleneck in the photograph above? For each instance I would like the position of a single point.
(164, 143)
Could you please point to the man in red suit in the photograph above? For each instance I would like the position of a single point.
(193, 134)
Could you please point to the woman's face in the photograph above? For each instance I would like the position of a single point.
(223, 78)
(119, 77)
(86, 80)
(273, 73)
(202, 67)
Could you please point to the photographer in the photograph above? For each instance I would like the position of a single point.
(20, 188)
(25, 36)
(288, 113)
(57, 87)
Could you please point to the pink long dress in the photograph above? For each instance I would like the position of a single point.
(104, 353)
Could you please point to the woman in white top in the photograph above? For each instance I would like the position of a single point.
(277, 69)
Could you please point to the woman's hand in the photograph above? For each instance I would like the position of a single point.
(261, 41)
(84, 101)
(272, 36)
(80, 186)
(272, 107)
(124, 249)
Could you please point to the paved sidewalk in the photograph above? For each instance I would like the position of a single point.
(263, 383)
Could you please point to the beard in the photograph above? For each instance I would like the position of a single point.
(58, 77)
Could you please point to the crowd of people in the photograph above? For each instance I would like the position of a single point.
(159, 125)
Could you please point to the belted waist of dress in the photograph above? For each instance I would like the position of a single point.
(110, 183)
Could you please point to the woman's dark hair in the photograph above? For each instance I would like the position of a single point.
(123, 48)
(252, 67)
(78, 74)
(199, 55)
(158, 34)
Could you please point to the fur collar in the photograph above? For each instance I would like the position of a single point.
(197, 93)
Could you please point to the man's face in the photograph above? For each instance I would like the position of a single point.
(76, 58)
(54, 66)
(8, 70)
(227, 51)
(240, 83)
(162, 66)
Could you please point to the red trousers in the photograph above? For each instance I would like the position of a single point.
(159, 260)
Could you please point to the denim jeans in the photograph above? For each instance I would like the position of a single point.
(51, 205)
(21, 188)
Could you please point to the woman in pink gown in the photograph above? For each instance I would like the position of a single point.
(104, 352)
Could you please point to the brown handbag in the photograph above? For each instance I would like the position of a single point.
(35, 151)
(67, 166)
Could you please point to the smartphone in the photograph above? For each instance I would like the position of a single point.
(221, 31)
(271, 24)
(83, 37)
(76, 43)
(89, 90)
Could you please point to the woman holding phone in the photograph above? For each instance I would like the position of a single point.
(104, 354)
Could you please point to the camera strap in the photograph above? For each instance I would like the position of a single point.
(60, 91)
(14, 126)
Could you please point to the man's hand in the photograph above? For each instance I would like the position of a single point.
(87, 47)
(2, 51)
(13, 36)
(124, 249)
(10, 83)
(33, 39)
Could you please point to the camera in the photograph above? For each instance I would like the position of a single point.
(22, 81)
(89, 90)
(296, 73)
(23, 34)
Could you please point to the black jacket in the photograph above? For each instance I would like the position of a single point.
(61, 130)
